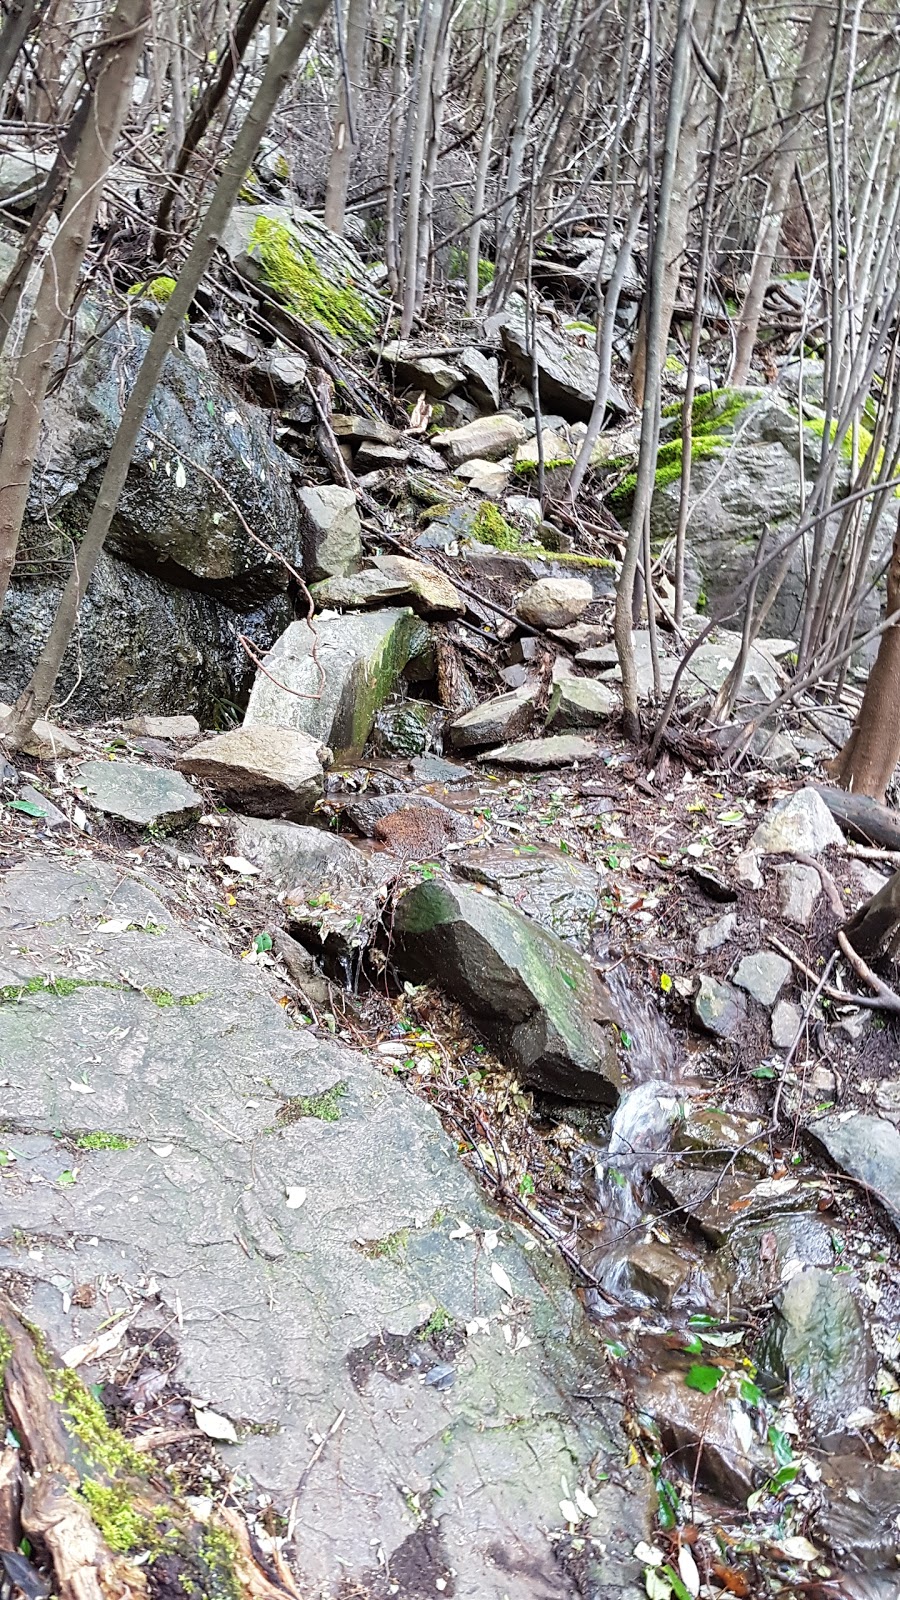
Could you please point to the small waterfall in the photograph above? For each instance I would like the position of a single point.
(638, 1136)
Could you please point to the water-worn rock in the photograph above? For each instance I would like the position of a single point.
(716, 1202)
(786, 1020)
(560, 893)
(763, 975)
(272, 772)
(489, 478)
(650, 1273)
(286, 1316)
(707, 1134)
(488, 439)
(407, 728)
(699, 1430)
(716, 933)
(545, 1007)
(333, 532)
(556, 750)
(133, 792)
(719, 1008)
(802, 824)
(866, 1148)
(330, 682)
(817, 1344)
(799, 889)
(859, 1516)
(580, 703)
(501, 718)
(554, 602)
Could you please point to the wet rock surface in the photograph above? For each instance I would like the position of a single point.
(817, 1346)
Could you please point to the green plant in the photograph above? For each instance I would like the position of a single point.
(103, 1141)
(326, 1105)
(292, 272)
(491, 527)
(157, 289)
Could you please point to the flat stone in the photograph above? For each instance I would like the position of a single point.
(554, 602)
(799, 890)
(583, 635)
(360, 430)
(719, 1008)
(430, 768)
(718, 1200)
(714, 934)
(163, 727)
(489, 478)
(359, 591)
(293, 857)
(786, 1020)
(866, 1148)
(271, 772)
(856, 1520)
(487, 439)
(868, 880)
(556, 750)
(482, 377)
(580, 703)
(651, 1273)
(556, 452)
(715, 1137)
(746, 869)
(333, 532)
(560, 893)
(818, 1345)
(360, 657)
(500, 718)
(432, 593)
(371, 457)
(763, 975)
(544, 1006)
(52, 816)
(567, 370)
(802, 824)
(152, 797)
(431, 373)
(333, 1303)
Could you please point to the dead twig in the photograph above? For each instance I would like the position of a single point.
(840, 995)
(888, 999)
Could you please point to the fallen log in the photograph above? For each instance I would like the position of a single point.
(864, 819)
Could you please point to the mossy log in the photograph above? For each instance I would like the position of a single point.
(98, 1525)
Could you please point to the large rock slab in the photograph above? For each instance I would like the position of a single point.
(274, 772)
(330, 679)
(555, 750)
(390, 579)
(557, 891)
(567, 370)
(332, 545)
(868, 1149)
(500, 718)
(546, 1008)
(130, 791)
(817, 1344)
(285, 1318)
(292, 856)
(580, 703)
(435, 374)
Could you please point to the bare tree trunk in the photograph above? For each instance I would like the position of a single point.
(394, 179)
(420, 113)
(649, 448)
(484, 158)
(112, 95)
(306, 18)
(21, 20)
(209, 103)
(807, 85)
(866, 763)
(55, 39)
(346, 132)
(438, 104)
(506, 247)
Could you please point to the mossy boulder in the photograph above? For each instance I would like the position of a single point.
(548, 1012)
(329, 680)
(312, 273)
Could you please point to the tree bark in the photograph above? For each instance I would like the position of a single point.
(807, 85)
(866, 763)
(34, 700)
(346, 129)
(484, 159)
(121, 49)
(21, 19)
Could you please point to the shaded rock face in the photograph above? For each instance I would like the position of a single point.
(867, 1148)
(817, 1344)
(198, 1203)
(132, 792)
(549, 1013)
(757, 464)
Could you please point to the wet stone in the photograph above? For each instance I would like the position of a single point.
(560, 893)
(860, 1514)
(497, 719)
(149, 797)
(717, 1202)
(434, 769)
(699, 1432)
(719, 1008)
(818, 1346)
(654, 1272)
(724, 1136)
(763, 975)
(867, 1148)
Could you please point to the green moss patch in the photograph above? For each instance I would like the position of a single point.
(12, 993)
(158, 289)
(103, 1141)
(326, 1105)
(123, 1527)
(164, 998)
(713, 418)
(291, 271)
(491, 527)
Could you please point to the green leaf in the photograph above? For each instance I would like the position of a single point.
(781, 1445)
(679, 1589)
(693, 1346)
(702, 1319)
(763, 1072)
(27, 807)
(665, 982)
(669, 1503)
(618, 1177)
(706, 1379)
(526, 1184)
(625, 1039)
(751, 1392)
(65, 1178)
(569, 982)
(263, 941)
(616, 1349)
(783, 1476)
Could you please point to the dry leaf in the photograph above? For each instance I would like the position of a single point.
(215, 1427)
(687, 1569)
(100, 1346)
(502, 1278)
(295, 1198)
(241, 864)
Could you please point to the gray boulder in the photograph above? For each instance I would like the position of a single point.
(501, 718)
(488, 439)
(719, 1008)
(580, 703)
(800, 824)
(547, 1010)
(554, 750)
(328, 680)
(567, 369)
(333, 542)
(554, 602)
(272, 772)
(817, 1344)
(555, 890)
(437, 376)
(482, 375)
(866, 1148)
(763, 975)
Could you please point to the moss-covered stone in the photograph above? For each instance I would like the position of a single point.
(491, 527)
(713, 418)
(157, 289)
(291, 271)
